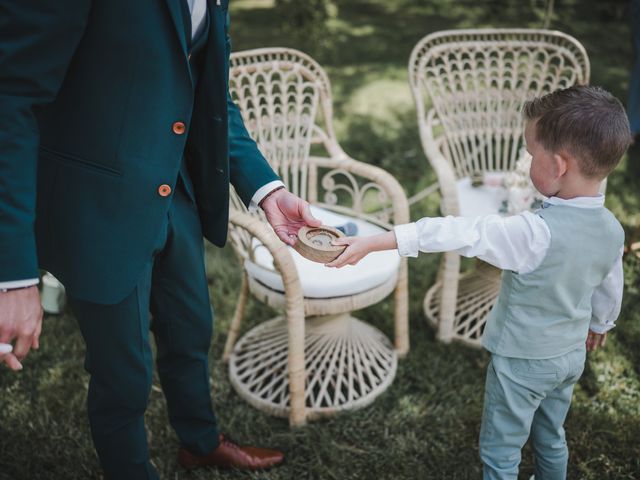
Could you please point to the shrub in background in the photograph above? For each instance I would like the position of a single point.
(306, 21)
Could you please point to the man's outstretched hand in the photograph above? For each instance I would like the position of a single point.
(20, 324)
(287, 213)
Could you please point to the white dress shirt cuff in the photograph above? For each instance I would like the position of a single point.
(407, 239)
(263, 192)
(19, 283)
(599, 328)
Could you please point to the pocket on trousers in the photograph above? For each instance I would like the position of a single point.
(534, 369)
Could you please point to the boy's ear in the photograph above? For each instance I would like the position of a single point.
(561, 161)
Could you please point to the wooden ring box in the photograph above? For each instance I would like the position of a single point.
(314, 243)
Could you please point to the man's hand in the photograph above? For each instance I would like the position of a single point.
(287, 214)
(20, 320)
(595, 340)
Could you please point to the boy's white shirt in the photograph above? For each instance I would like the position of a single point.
(518, 243)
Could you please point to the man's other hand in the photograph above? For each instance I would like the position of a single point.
(20, 323)
(287, 213)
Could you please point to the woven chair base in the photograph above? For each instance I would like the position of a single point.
(477, 293)
(348, 363)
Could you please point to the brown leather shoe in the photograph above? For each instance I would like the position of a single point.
(231, 455)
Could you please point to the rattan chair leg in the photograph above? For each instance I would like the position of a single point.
(297, 373)
(401, 303)
(450, 279)
(234, 328)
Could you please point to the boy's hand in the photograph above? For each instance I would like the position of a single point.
(357, 249)
(595, 340)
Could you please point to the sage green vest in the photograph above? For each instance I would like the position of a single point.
(546, 313)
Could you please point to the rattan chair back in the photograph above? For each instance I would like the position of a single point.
(470, 85)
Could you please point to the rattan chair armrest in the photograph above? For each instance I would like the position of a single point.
(294, 307)
(378, 176)
(443, 169)
(282, 259)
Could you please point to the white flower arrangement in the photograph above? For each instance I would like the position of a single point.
(521, 194)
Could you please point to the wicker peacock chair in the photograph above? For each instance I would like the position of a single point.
(469, 87)
(316, 359)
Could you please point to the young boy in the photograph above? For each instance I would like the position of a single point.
(562, 281)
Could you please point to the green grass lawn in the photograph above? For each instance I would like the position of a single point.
(426, 425)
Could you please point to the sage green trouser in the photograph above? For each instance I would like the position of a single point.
(528, 397)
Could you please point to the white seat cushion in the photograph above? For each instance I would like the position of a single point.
(484, 199)
(319, 281)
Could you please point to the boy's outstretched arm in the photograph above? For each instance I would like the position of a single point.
(516, 243)
(359, 247)
(605, 306)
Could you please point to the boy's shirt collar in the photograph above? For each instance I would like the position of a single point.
(579, 202)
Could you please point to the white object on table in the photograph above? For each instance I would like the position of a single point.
(521, 194)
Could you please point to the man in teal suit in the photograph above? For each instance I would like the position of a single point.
(118, 141)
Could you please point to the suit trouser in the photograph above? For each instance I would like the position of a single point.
(525, 397)
(120, 360)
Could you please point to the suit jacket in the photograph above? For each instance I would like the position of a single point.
(92, 95)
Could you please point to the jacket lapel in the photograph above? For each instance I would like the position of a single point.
(175, 10)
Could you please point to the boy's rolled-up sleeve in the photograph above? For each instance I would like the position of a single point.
(407, 239)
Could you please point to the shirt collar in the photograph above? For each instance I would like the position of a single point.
(580, 202)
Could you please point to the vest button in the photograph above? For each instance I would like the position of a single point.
(178, 128)
(164, 190)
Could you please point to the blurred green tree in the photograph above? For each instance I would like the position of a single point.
(306, 21)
